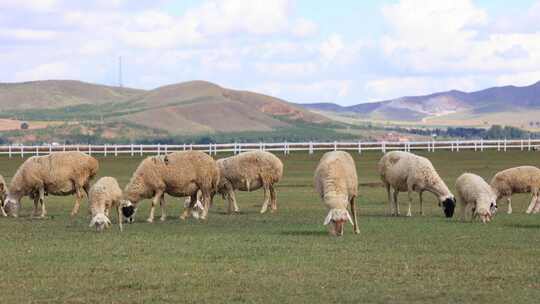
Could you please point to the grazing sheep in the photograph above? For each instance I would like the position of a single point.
(522, 179)
(476, 196)
(59, 173)
(337, 184)
(177, 174)
(3, 193)
(104, 195)
(250, 171)
(405, 171)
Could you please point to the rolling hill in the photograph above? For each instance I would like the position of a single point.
(187, 108)
(517, 106)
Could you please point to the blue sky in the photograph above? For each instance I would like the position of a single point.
(345, 52)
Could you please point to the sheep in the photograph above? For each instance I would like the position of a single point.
(404, 171)
(59, 173)
(336, 182)
(104, 195)
(476, 196)
(522, 179)
(250, 171)
(177, 174)
(3, 193)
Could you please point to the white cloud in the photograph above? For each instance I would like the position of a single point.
(54, 70)
(33, 5)
(304, 28)
(28, 34)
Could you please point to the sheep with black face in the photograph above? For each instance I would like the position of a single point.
(406, 172)
(336, 182)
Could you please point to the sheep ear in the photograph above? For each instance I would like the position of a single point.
(199, 205)
(328, 218)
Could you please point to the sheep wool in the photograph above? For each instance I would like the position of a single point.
(59, 173)
(3, 194)
(406, 172)
(177, 174)
(250, 171)
(336, 182)
(104, 195)
(521, 179)
(476, 197)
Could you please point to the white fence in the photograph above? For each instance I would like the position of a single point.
(285, 148)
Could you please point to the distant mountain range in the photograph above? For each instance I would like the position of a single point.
(451, 107)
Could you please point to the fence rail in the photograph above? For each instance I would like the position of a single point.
(285, 147)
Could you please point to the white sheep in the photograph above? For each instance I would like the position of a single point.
(521, 179)
(336, 182)
(59, 173)
(250, 171)
(177, 174)
(3, 194)
(403, 171)
(476, 196)
(104, 195)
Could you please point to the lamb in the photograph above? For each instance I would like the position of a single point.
(59, 173)
(476, 196)
(336, 182)
(3, 193)
(250, 171)
(522, 179)
(177, 174)
(404, 171)
(104, 195)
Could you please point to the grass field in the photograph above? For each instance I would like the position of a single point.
(286, 257)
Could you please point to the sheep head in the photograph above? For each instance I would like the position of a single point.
(128, 210)
(11, 205)
(335, 221)
(448, 205)
(100, 221)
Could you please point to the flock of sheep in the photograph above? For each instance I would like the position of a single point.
(199, 177)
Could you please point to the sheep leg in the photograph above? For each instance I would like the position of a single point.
(163, 207)
(155, 200)
(353, 212)
(187, 211)
(421, 203)
(409, 194)
(78, 198)
(509, 199)
(42, 202)
(36, 206)
(536, 206)
(120, 217)
(206, 204)
(231, 198)
(390, 199)
(273, 204)
(396, 204)
(266, 199)
(533, 202)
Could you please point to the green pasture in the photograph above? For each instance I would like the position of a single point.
(286, 257)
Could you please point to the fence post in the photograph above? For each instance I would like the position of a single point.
(166, 148)
(37, 150)
(115, 150)
(498, 145)
(50, 148)
(335, 145)
(105, 150)
(9, 151)
(505, 145)
(522, 145)
(22, 151)
(359, 147)
(529, 145)
(89, 149)
(158, 149)
(132, 150)
(285, 148)
(457, 145)
(141, 149)
(475, 146)
(481, 144)
(64, 147)
(310, 147)
(383, 147)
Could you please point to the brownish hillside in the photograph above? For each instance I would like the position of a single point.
(58, 94)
